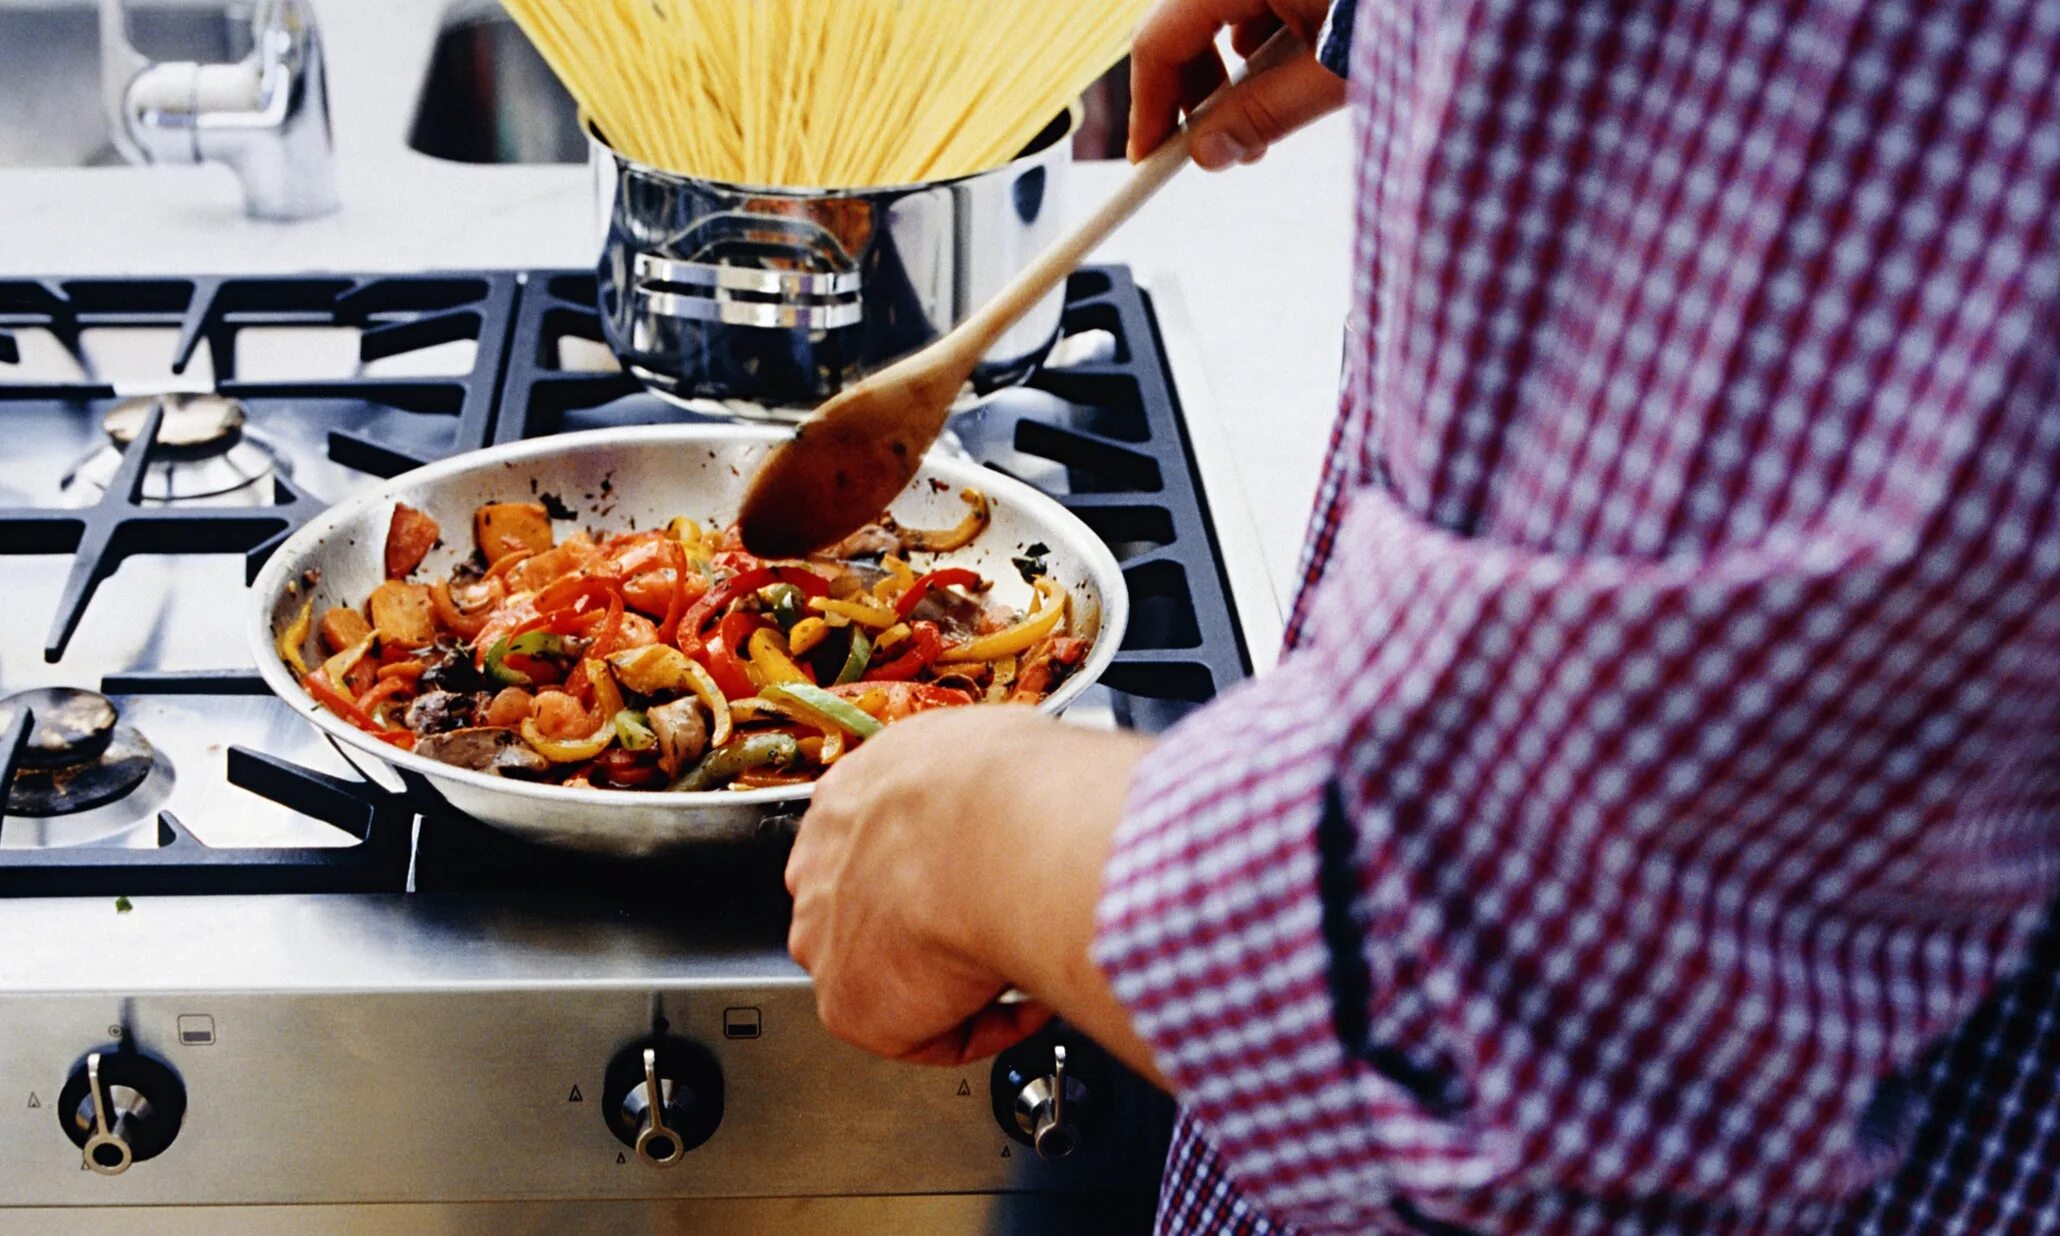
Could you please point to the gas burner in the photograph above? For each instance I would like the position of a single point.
(78, 757)
(204, 455)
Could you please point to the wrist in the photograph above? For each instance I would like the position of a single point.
(1043, 846)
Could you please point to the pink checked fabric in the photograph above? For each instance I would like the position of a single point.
(1651, 822)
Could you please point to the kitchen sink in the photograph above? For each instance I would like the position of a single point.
(50, 111)
(490, 98)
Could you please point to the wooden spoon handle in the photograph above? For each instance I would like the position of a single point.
(979, 332)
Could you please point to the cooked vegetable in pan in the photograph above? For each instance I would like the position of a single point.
(670, 658)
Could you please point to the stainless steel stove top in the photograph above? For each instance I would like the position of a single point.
(283, 984)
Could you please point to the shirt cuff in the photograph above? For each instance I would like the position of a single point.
(1334, 37)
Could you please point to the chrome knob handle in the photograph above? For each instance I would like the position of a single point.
(662, 1098)
(105, 1150)
(1047, 1109)
(121, 1108)
(656, 1144)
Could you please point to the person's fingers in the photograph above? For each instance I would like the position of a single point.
(992, 1030)
(1174, 63)
(1247, 36)
(1264, 108)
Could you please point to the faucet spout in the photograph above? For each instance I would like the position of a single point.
(266, 117)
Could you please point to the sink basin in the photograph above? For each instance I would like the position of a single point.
(490, 98)
(50, 113)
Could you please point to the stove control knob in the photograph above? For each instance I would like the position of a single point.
(121, 1107)
(688, 1085)
(1048, 1109)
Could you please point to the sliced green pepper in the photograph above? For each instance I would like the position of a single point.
(725, 764)
(855, 661)
(633, 731)
(788, 604)
(821, 703)
(527, 644)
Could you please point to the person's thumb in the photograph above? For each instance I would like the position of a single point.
(1262, 109)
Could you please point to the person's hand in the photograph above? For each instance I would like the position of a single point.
(1174, 65)
(952, 855)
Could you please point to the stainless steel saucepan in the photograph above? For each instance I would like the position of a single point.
(613, 480)
(764, 302)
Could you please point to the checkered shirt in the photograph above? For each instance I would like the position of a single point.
(1653, 820)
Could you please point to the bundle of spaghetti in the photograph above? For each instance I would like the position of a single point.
(826, 93)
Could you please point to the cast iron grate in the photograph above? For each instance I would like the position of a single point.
(391, 317)
(180, 863)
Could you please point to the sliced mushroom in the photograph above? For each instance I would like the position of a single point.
(682, 734)
(436, 712)
(483, 748)
(868, 542)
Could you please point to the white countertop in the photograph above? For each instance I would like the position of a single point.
(1259, 255)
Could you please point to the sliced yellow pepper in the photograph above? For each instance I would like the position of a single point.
(1015, 639)
(342, 663)
(900, 578)
(770, 659)
(607, 697)
(890, 637)
(295, 636)
(877, 616)
(651, 669)
(702, 684)
(944, 539)
(806, 634)
(569, 750)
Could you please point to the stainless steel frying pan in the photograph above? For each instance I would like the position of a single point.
(648, 475)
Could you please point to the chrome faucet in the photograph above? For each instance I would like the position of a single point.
(266, 116)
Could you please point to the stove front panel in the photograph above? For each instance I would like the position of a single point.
(497, 1095)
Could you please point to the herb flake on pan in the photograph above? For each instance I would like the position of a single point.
(555, 506)
(1031, 564)
(122, 905)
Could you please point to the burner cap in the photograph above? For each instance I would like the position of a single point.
(71, 726)
(193, 422)
(122, 766)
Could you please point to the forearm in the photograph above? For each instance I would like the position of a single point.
(1033, 913)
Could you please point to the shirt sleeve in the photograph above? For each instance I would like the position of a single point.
(1334, 37)
(1617, 876)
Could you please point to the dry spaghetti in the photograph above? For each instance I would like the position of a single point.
(826, 93)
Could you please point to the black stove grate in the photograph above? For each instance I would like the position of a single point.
(391, 315)
(1100, 429)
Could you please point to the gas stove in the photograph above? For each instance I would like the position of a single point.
(245, 974)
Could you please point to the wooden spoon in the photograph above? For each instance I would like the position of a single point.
(857, 451)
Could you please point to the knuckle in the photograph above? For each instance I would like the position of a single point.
(1263, 120)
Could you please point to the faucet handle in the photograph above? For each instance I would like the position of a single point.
(120, 65)
(266, 116)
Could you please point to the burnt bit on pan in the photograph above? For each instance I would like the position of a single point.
(555, 507)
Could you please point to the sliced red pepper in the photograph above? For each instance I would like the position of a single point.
(676, 608)
(725, 667)
(368, 703)
(943, 577)
(719, 597)
(572, 607)
(925, 644)
(343, 706)
(570, 592)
